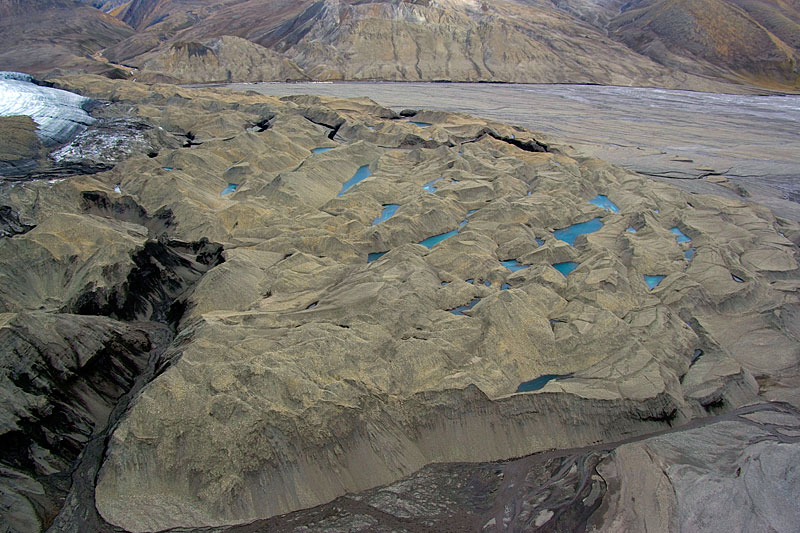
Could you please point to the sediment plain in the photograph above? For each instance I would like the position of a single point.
(217, 331)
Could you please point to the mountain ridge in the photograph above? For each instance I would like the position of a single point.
(699, 44)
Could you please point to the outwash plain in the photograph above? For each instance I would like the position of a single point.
(229, 311)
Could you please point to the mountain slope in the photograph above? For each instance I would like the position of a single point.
(222, 59)
(717, 37)
(693, 44)
(394, 40)
(41, 35)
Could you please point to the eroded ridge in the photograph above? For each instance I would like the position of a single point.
(302, 371)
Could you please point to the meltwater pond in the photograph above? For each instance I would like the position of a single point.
(420, 124)
(682, 237)
(230, 188)
(538, 383)
(430, 242)
(461, 308)
(513, 265)
(321, 150)
(569, 234)
(430, 185)
(566, 267)
(361, 174)
(386, 214)
(653, 281)
(601, 200)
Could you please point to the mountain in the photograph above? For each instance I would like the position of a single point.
(696, 44)
(42, 35)
(757, 40)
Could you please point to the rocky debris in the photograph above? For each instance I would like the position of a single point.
(10, 224)
(61, 377)
(303, 370)
(20, 147)
(732, 470)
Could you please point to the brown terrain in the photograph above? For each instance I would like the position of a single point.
(224, 310)
(715, 45)
(204, 324)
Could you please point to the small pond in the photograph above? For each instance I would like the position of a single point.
(386, 214)
(461, 308)
(538, 383)
(682, 237)
(566, 267)
(601, 200)
(430, 242)
(361, 174)
(513, 265)
(430, 185)
(570, 233)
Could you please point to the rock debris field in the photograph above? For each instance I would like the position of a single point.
(235, 324)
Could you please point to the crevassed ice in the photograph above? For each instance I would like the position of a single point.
(58, 113)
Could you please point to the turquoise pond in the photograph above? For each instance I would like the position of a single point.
(538, 383)
(682, 237)
(230, 188)
(513, 265)
(601, 200)
(430, 185)
(430, 242)
(321, 150)
(653, 281)
(689, 254)
(466, 218)
(420, 124)
(487, 283)
(569, 234)
(386, 214)
(539, 241)
(631, 229)
(361, 174)
(505, 287)
(461, 308)
(374, 256)
(566, 268)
